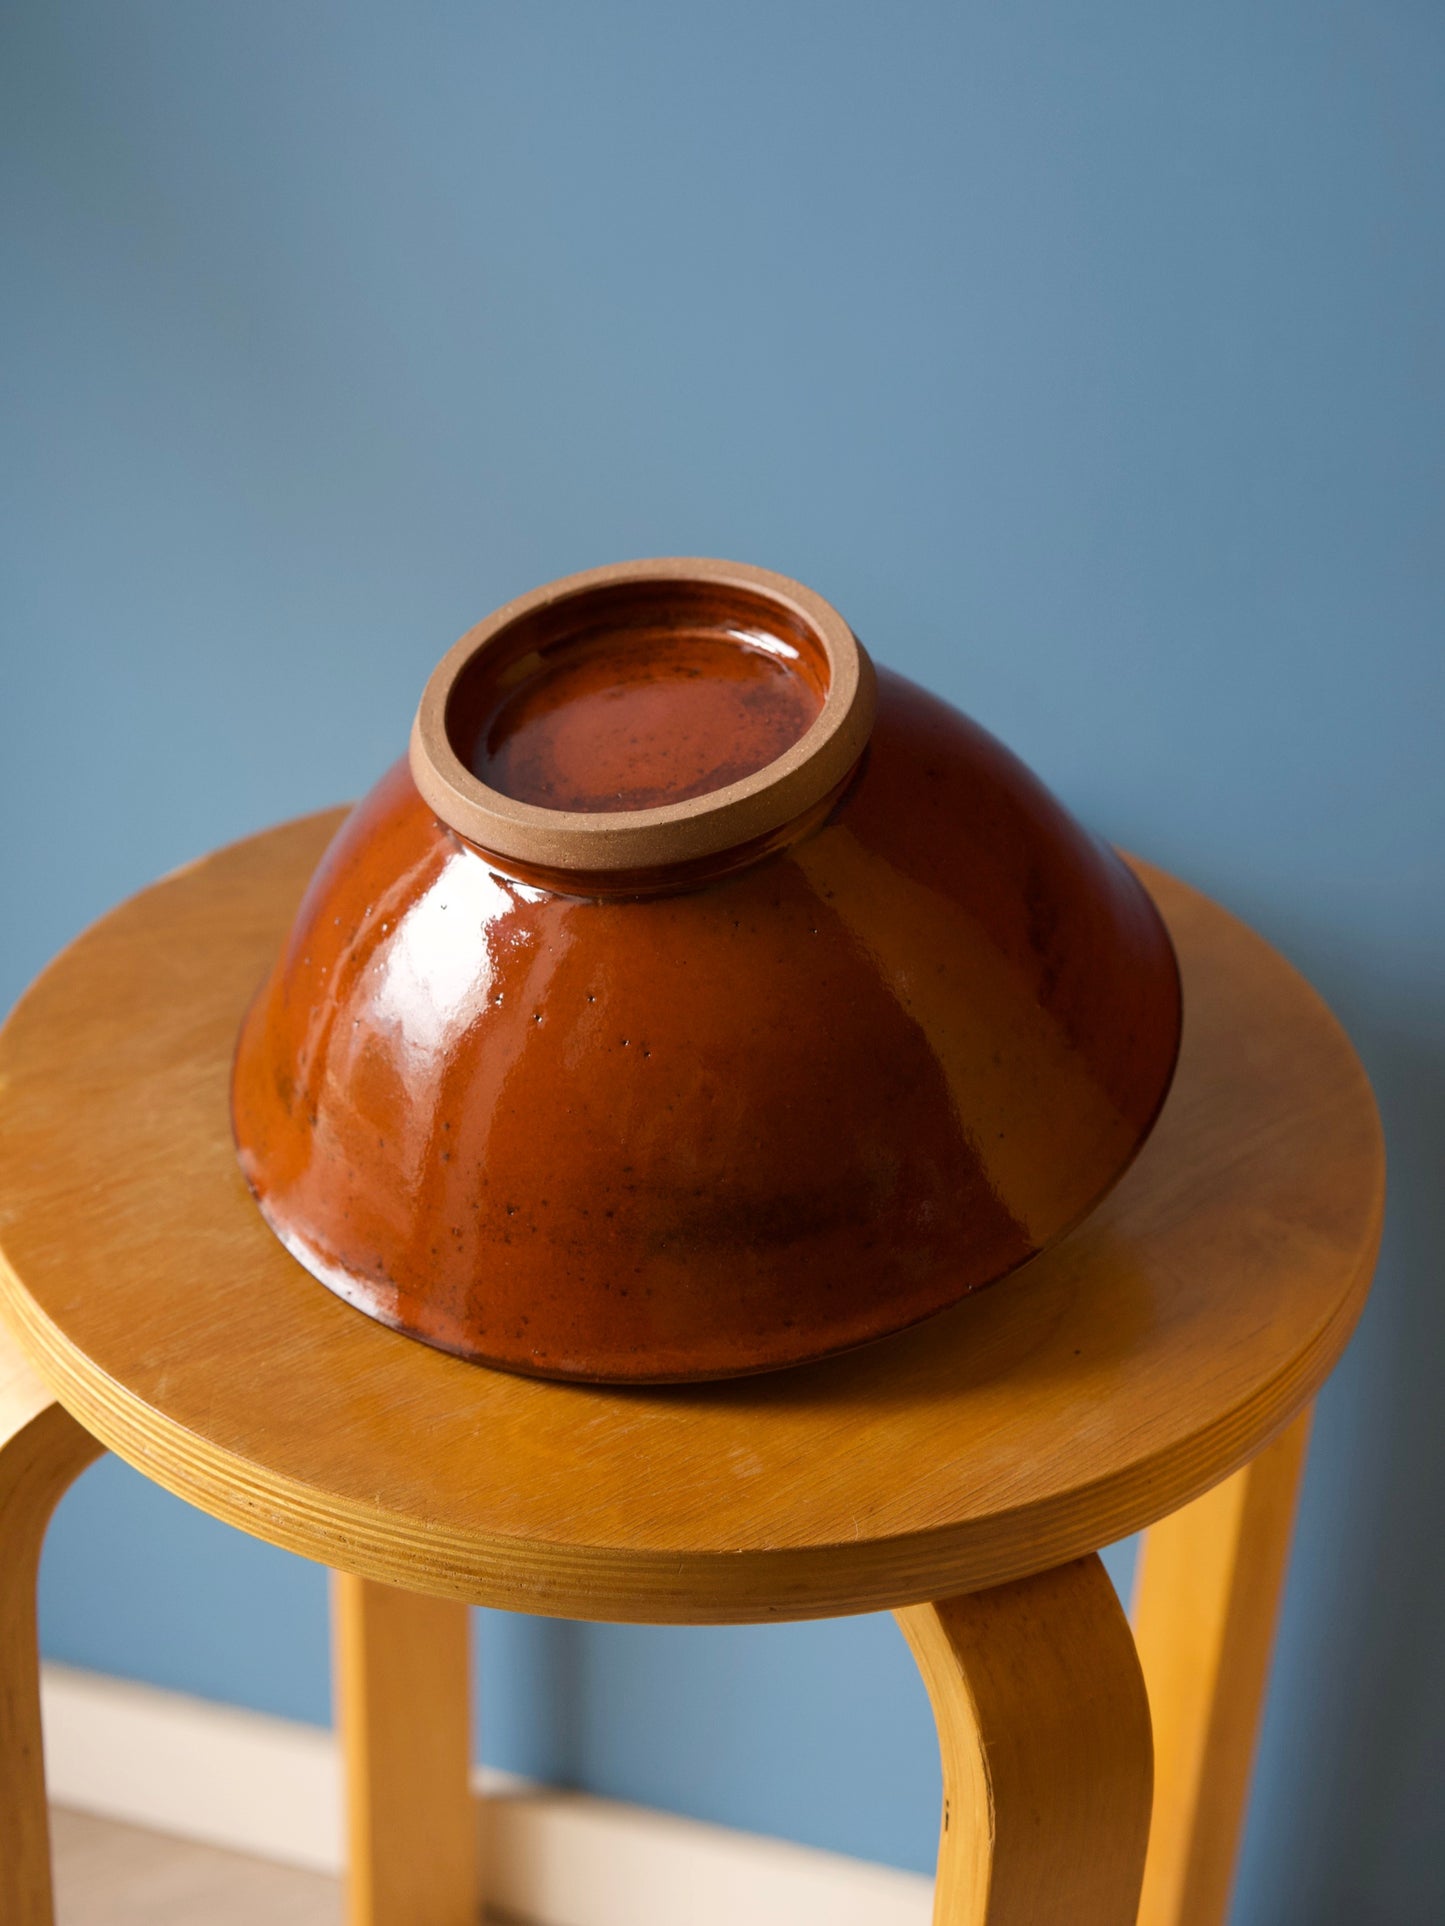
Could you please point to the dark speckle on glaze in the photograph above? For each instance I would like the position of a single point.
(649, 717)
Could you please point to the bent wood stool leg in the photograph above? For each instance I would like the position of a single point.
(1205, 1606)
(403, 1705)
(1043, 1728)
(42, 1450)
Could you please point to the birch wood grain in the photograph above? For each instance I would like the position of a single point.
(1206, 1603)
(1115, 1378)
(403, 1710)
(42, 1450)
(1043, 1730)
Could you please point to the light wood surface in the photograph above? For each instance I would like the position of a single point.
(42, 1449)
(107, 1874)
(1043, 1729)
(403, 1706)
(1115, 1378)
(1206, 1602)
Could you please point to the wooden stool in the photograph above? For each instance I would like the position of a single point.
(1158, 1365)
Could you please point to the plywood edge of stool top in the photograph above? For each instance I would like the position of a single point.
(1116, 1377)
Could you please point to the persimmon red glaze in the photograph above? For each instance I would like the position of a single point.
(718, 1129)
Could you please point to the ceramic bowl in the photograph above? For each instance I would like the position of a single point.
(693, 1000)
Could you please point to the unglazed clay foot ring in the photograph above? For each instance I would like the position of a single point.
(720, 603)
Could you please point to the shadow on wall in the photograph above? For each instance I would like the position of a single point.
(1346, 1820)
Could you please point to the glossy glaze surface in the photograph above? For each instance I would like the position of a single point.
(643, 717)
(652, 717)
(723, 1129)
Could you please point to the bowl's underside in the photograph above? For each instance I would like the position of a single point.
(721, 1130)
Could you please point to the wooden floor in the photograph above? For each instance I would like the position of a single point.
(112, 1875)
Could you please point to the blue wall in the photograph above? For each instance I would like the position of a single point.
(1088, 356)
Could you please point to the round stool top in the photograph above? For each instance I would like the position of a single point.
(1114, 1378)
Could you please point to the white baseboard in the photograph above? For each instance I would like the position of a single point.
(272, 1788)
